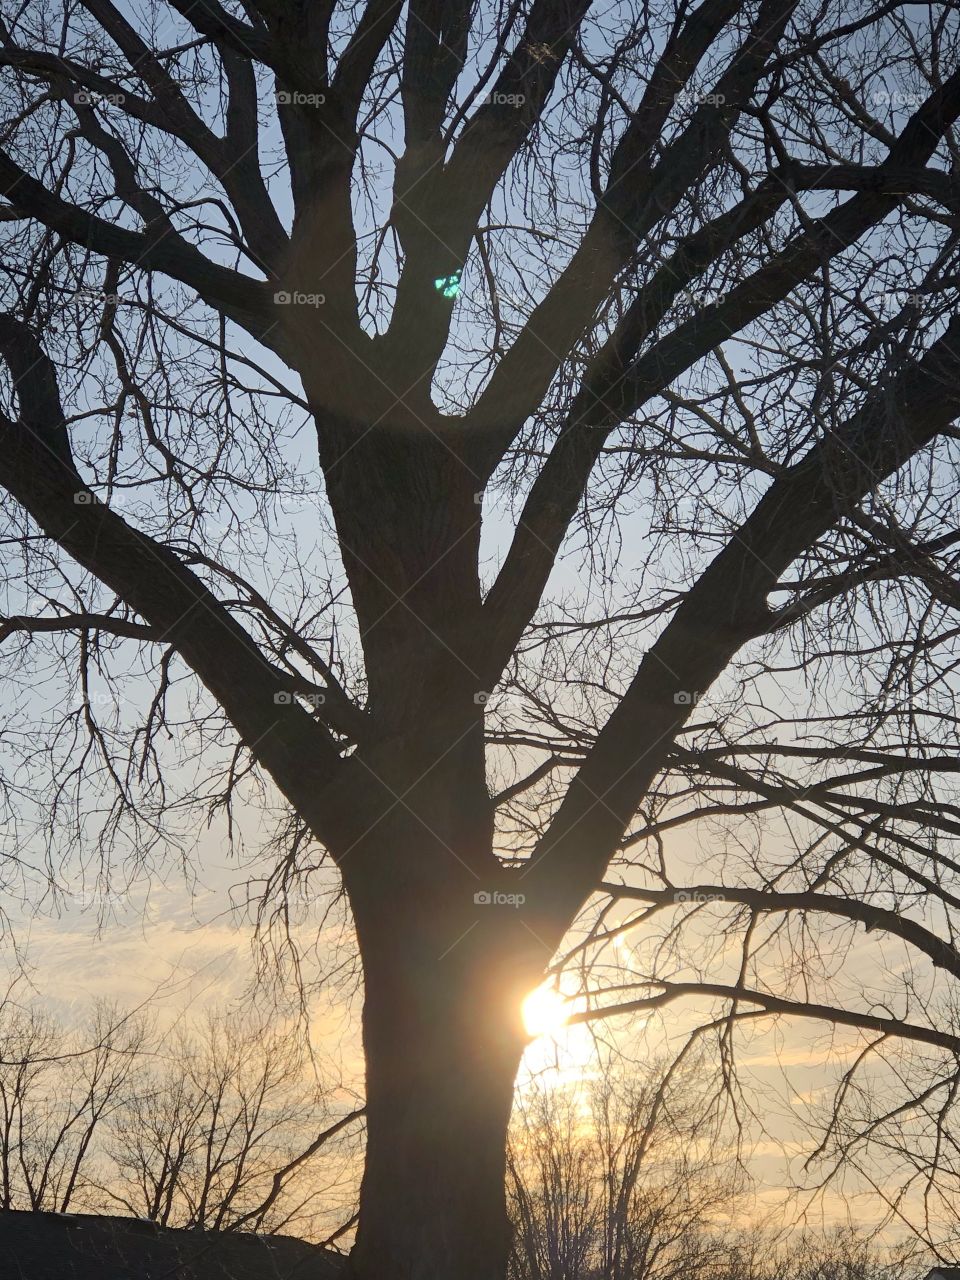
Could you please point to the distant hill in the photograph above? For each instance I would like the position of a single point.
(53, 1246)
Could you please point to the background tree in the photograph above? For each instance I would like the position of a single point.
(607, 1183)
(607, 1180)
(202, 1127)
(212, 1137)
(678, 283)
(57, 1091)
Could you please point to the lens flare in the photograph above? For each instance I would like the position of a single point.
(545, 1012)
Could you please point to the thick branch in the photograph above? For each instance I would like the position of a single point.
(436, 206)
(366, 44)
(211, 19)
(616, 389)
(233, 160)
(941, 953)
(724, 608)
(243, 299)
(637, 197)
(124, 627)
(892, 1028)
(37, 469)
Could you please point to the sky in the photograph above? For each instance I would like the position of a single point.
(176, 942)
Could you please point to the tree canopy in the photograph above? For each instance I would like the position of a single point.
(518, 439)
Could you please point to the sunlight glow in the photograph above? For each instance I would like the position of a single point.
(545, 1012)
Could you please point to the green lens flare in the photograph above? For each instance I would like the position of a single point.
(449, 286)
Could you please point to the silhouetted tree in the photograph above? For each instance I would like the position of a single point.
(679, 284)
(604, 1181)
(212, 1137)
(57, 1091)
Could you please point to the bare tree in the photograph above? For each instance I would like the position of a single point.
(57, 1091)
(609, 1181)
(212, 1136)
(678, 285)
(203, 1129)
(205, 1126)
(841, 1254)
(662, 1184)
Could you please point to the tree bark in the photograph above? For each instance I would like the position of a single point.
(443, 1039)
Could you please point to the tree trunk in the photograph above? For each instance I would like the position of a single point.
(443, 1040)
(444, 969)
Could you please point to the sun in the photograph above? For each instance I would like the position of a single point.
(545, 1012)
